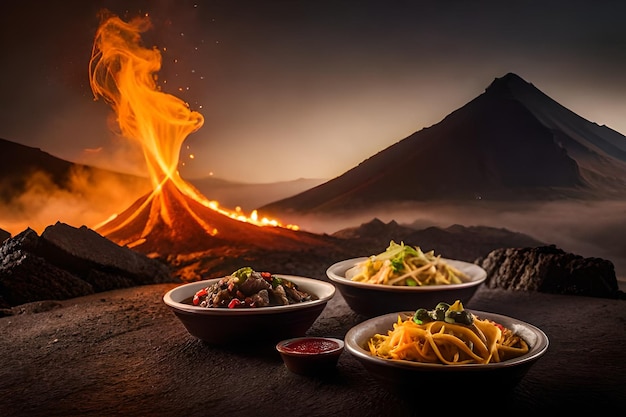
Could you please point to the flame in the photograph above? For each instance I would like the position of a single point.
(123, 73)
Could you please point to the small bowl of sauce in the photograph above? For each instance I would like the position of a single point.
(310, 355)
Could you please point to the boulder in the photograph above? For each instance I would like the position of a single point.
(67, 262)
(25, 277)
(551, 270)
(95, 257)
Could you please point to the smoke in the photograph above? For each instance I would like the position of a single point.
(122, 156)
(88, 198)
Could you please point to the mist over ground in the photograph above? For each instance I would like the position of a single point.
(589, 229)
(87, 199)
(586, 228)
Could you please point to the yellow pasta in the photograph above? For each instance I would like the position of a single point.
(448, 342)
(403, 265)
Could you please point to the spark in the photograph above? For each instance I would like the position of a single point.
(93, 150)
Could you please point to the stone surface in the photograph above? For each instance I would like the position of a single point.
(123, 353)
(66, 262)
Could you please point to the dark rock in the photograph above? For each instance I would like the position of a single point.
(25, 277)
(88, 253)
(4, 235)
(67, 262)
(27, 241)
(549, 269)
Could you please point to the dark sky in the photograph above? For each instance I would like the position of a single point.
(292, 89)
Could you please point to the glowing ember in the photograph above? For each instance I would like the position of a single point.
(123, 73)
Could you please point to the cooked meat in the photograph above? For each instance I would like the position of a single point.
(279, 296)
(295, 295)
(254, 284)
(260, 299)
(249, 290)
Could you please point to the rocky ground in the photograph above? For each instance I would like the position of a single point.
(66, 262)
(123, 352)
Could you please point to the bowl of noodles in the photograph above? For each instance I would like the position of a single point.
(401, 278)
(446, 351)
(249, 307)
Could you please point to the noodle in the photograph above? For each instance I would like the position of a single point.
(482, 342)
(403, 265)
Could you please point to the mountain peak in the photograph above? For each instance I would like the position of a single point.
(509, 77)
(507, 85)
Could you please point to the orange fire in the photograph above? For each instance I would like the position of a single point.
(123, 73)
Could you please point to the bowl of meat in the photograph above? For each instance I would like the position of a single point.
(249, 307)
(402, 277)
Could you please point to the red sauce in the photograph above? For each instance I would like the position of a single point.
(311, 346)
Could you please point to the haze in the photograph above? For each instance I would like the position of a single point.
(591, 229)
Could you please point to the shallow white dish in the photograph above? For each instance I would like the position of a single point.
(376, 299)
(250, 325)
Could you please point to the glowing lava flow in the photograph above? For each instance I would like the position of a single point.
(123, 73)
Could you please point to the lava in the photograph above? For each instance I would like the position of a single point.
(123, 73)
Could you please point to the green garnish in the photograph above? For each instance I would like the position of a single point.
(243, 273)
(454, 313)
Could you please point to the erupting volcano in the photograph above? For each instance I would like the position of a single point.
(174, 218)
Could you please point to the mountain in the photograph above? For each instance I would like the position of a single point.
(510, 143)
(250, 196)
(455, 242)
(19, 164)
(38, 189)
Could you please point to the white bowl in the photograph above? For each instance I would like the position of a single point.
(408, 378)
(375, 299)
(249, 325)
